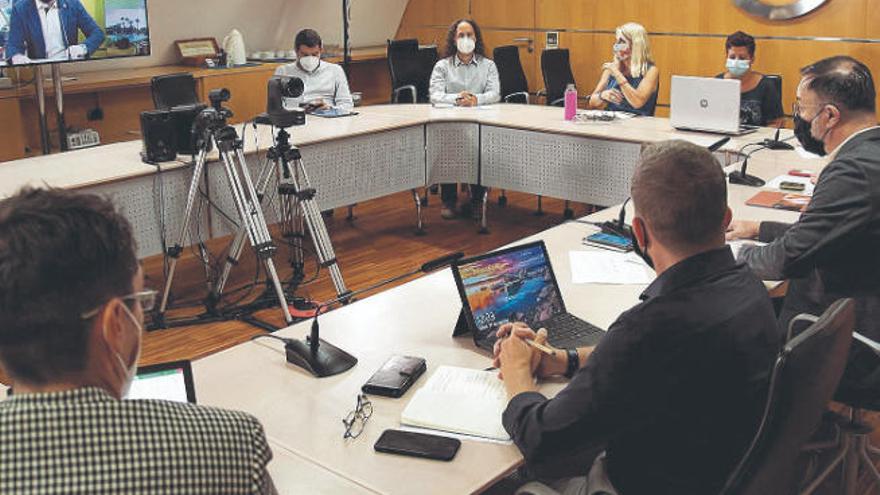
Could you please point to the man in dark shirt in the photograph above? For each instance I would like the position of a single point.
(675, 390)
(833, 250)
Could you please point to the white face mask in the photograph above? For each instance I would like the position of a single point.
(129, 370)
(466, 45)
(310, 63)
(619, 49)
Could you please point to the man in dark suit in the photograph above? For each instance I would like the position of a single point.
(833, 250)
(49, 30)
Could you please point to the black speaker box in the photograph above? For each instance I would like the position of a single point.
(159, 136)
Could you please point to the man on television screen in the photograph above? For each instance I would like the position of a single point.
(48, 30)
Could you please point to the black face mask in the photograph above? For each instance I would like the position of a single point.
(805, 137)
(638, 250)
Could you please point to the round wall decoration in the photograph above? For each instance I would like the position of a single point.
(779, 10)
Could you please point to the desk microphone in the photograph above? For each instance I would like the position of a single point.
(620, 228)
(741, 177)
(321, 358)
(775, 143)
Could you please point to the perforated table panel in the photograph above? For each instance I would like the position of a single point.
(579, 169)
(453, 152)
(148, 201)
(366, 167)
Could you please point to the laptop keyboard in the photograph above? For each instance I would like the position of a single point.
(566, 330)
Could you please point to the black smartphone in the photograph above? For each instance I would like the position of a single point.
(417, 445)
(609, 241)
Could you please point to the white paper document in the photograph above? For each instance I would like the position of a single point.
(608, 267)
(459, 400)
(736, 246)
(806, 181)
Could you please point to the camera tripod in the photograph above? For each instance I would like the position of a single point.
(298, 210)
(211, 127)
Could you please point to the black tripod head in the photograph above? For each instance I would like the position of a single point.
(211, 120)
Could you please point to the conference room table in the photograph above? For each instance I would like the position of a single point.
(384, 149)
(402, 147)
(303, 415)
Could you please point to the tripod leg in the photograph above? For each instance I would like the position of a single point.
(318, 229)
(237, 245)
(174, 251)
(484, 223)
(420, 230)
(260, 232)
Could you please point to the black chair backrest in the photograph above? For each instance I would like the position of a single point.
(556, 69)
(510, 71)
(404, 64)
(776, 80)
(803, 381)
(174, 90)
(428, 57)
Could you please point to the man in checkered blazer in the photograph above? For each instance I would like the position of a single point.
(71, 313)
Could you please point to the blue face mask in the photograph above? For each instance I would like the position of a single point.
(738, 67)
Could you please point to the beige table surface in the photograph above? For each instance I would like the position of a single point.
(120, 161)
(303, 414)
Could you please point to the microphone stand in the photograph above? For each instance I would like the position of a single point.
(776, 143)
(740, 176)
(321, 358)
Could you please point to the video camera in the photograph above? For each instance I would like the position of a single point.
(279, 88)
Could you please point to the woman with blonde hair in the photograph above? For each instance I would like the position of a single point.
(629, 82)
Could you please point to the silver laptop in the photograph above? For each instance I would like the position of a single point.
(707, 104)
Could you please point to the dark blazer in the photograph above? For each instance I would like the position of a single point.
(833, 250)
(26, 32)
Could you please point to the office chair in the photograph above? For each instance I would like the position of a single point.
(514, 85)
(556, 70)
(405, 68)
(174, 90)
(776, 80)
(428, 57)
(802, 383)
(852, 448)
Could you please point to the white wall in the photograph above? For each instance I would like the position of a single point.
(265, 25)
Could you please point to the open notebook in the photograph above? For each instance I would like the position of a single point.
(459, 400)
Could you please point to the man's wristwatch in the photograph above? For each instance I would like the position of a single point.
(574, 362)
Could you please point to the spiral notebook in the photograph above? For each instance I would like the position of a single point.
(459, 400)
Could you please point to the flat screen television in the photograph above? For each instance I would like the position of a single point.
(51, 31)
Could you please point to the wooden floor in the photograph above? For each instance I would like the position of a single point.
(380, 243)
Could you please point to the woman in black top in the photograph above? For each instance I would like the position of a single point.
(760, 103)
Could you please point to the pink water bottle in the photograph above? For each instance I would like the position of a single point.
(571, 102)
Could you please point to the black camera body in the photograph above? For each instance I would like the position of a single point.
(279, 88)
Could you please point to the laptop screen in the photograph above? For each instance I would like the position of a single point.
(512, 285)
(167, 381)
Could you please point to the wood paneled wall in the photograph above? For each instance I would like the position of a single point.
(687, 36)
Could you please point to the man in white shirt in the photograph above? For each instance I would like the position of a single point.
(465, 78)
(326, 85)
(49, 30)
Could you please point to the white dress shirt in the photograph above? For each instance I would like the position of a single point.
(53, 35)
(479, 77)
(327, 83)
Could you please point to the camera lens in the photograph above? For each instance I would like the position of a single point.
(293, 87)
(218, 95)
